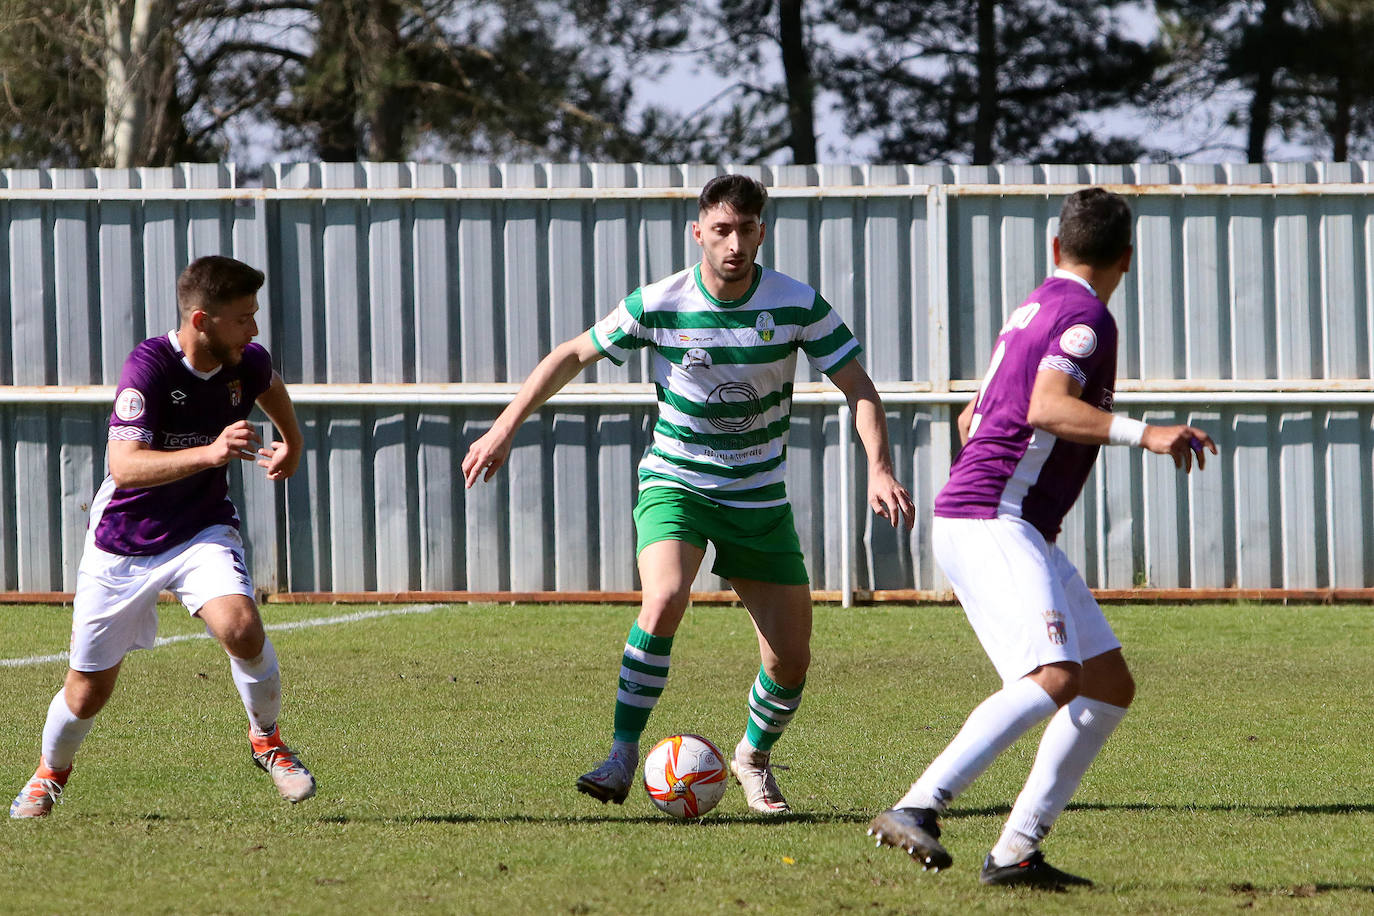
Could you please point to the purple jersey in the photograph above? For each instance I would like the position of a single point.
(1007, 467)
(164, 403)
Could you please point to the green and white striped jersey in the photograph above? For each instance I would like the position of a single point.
(723, 372)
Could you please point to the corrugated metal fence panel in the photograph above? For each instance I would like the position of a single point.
(398, 289)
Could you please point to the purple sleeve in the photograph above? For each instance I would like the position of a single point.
(135, 416)
(258, 365)
(1076, 347)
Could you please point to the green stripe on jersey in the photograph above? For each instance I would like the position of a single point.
(835, 340)
(744, 318)
(773, 492)
(742, 409)
(737, 472)
(724, 442)
(737, 356)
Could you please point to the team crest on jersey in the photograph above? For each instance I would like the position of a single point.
(739, 395)
(1054, 627)
(764, 326)
(130, 404)
(235, 392)
(696, 358)
(1079, 340)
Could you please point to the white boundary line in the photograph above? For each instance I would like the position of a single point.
(290, 625)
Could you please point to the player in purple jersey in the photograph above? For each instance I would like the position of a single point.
(1030, 438)
(162, 519)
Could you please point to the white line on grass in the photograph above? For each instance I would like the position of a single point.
(290, 625)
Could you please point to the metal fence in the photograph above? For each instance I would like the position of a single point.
(405, 301)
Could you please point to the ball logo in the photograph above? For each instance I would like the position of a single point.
(130, 404)
(1079, 340)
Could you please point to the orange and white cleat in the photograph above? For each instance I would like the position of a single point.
(41, 793)
(289, 775)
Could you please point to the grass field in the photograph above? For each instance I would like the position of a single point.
(446, 744)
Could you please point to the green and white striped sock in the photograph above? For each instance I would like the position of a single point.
(643, 672)
(771, 707)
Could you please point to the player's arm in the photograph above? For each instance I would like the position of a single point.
(888, 498)
(966, 420)
(561, 366)
(282, 456)
(134, 464)
(1055, 407)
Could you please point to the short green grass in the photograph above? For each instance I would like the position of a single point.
(446, 745)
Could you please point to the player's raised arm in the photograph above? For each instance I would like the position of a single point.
(486, 455)
(888, 498)
(1056, 408)
(282, 456)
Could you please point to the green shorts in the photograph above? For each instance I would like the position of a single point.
(756, 544)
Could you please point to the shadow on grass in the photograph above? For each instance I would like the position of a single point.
(710, 820)
(1259, 810)
(833, 817)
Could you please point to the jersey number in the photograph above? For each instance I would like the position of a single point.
(1019, 320)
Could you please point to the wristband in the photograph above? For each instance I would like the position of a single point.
(1125, 431)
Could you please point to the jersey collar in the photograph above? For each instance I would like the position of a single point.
(176, 346)
(728, 303)
(1062, 274)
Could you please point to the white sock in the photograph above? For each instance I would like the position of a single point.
(1071, 742)
(989, 730)
(259, 684)
(63, 733)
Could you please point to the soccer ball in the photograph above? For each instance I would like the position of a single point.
(685, 776)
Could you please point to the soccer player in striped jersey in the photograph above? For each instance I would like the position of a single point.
(1030, 438)
(162, 519)
(724, 336)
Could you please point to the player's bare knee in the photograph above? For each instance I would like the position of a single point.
(1062, 681)
(791, 671)
(662, 610)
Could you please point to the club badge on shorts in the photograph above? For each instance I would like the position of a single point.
(1054, 627)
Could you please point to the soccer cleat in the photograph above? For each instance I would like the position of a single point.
(610, 782)
(42, 791)
(289, 775)
(753, 772)
(915, 831)
(1032, 871)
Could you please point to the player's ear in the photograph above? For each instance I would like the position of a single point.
(1125, 262)
(199, 317)
(1054, 247)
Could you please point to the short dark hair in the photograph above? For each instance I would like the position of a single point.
(740, 193)
(1094, 227)
(211, 281)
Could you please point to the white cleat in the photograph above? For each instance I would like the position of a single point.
(611, 780)
(41, 792)
(289, 775)
(753, 772)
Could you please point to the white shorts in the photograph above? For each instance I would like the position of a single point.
(1026, 602)
(116, 596)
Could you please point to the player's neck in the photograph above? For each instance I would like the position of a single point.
(725, 290)
(1103, 280)
(199, 358)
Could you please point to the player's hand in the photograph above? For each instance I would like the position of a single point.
(890, 500)
(485, 457)
(280, 459)
(1181, 443)
(237, 440)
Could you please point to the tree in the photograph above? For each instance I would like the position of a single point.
(988, 80)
